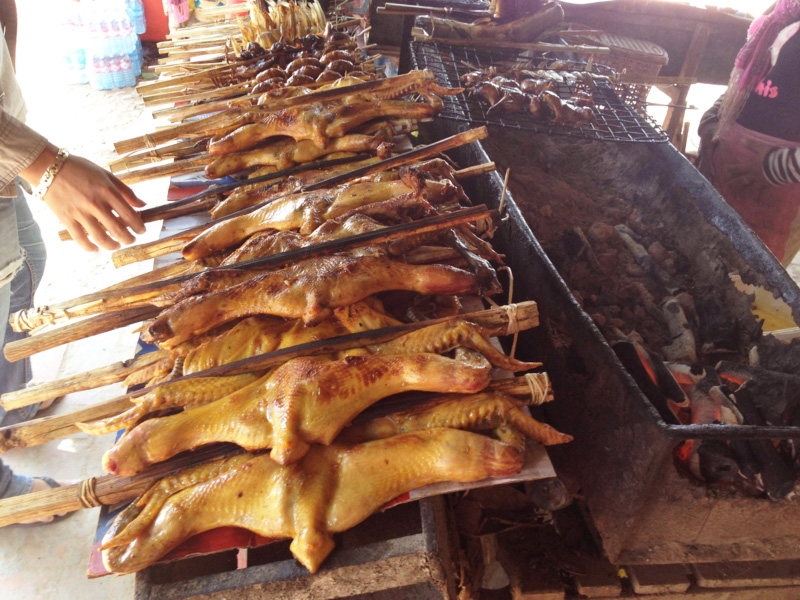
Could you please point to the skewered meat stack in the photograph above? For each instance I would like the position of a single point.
(534, 91)
(298, 409)
(269, 21)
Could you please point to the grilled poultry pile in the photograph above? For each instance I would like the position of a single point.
(310, 473)
(269, 20)
(535, 92)
(332, 487)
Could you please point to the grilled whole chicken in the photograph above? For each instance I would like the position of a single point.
(287, 152)
(319, 122)
(249, 337)
(332, 489)
(306, 211)
(309, 290)
(308, 400)
(395, 454)
(305, 401)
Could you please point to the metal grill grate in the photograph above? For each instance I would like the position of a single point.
(615, 120)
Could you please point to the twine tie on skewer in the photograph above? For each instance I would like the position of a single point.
(538, 384)
(88, 495)
(35, 318)
(511, 311)
(148, 141)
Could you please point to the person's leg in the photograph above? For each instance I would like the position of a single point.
(10, 484)
(15, 375)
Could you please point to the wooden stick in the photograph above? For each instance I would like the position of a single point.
(108, 489)
(177, 167)
(176, 150)
(82, 381)
(26, 347)
(166, 245)
(38, 431)
(230, 90)
(176, 81)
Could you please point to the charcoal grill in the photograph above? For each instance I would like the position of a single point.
(643, 509)
(615, 120)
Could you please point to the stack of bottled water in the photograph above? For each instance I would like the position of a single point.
(103, 46)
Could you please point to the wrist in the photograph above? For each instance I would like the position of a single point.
(33, 172)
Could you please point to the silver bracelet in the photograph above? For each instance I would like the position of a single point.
(50, 173)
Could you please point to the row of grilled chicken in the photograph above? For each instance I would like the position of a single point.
(307, 472)
(299, 411)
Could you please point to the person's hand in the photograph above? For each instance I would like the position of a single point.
(94, 206)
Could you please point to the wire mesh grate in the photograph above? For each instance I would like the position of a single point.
(614, 119)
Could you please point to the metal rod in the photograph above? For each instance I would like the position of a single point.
(731, 432)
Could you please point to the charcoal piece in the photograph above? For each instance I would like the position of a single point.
(776, 474)
(715, 462)
(775, 394)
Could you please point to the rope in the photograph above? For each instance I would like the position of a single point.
(34, 318)
(539, 384)
(87, 494)
(511, 311)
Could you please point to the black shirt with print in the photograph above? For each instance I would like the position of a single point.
(773, 107)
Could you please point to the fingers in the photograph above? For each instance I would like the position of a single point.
(128, 216)
(79, 235)
(127, 193)
(99, 234)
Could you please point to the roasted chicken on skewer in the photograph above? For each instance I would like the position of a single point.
(306, 211)
(249, 337)
(332, 488)
(309, 291)
(308, 400)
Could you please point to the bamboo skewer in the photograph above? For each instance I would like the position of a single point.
(26, 347)
(498, 321)
(107, 489)
(177, 167)
(166, 245)
(77, 383)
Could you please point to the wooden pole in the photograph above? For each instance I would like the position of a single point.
(26, 347)
(77, 383)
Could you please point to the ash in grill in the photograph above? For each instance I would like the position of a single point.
(658, 289)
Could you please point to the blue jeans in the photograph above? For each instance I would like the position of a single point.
(15, 296)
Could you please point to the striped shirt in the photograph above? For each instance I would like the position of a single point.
(782, 166)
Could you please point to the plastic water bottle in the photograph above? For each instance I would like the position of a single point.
(126, 71)
(136, 15)
(136, 58)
